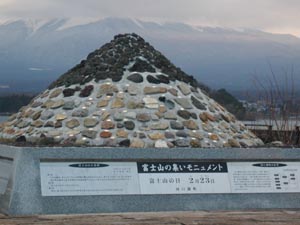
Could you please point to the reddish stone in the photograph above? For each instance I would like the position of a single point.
(105, 134)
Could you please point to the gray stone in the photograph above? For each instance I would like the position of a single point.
(72, 123)
(154, 117)
(132, 90)
(37, 123)
(173, 91)
(151, 79)
(162, 109)
(90, 122)
(185, 89)
(207, 127)
(234, 143)
(184, 103)
(69, 105)
(36, 115)
(143, 117)
(86, 91)
(58, 104)
(131, 104)
(47, 115)
(184, 114)
(154, 90)
(159, 126)
(163, 79)
(141, 65)
(197, 103)
(122, 134)
(198, 95)
(107, 125)
(193, 115)
(194, 143)
(120, 125)
(80, 113)
(137, 143)
(142, 135)
(36, 104)
(205, 116)
(181, 133)
(124, 143)
(136, 77)
(120, 95)
(275, 144)
(107, 89)
(212, 109)
(102, 103)
(130, 115)
(61, 116)
(191, 124)
(161, 144)
(150, 103)
(68, 92)
(182, 143)
(129, 125)
(110, 142)
(55, 93)
(169, 135)
(117, 103)
(54, 133)
(48, 104)
(49, 124)
(23, 124)
(156, 136)
(105, 116)
(176, 125)
(170, 115)
(196, 135)
(89, 134)
(118, 116)
(169, 104)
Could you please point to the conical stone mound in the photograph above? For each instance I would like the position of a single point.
(126, 94)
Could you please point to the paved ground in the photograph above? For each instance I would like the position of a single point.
(165, 218)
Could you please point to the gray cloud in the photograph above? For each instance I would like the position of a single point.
(260, 14)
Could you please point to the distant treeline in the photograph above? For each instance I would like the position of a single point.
(12, 103)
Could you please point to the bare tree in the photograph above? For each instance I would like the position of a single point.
(280, 100)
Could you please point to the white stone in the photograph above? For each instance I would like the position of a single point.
(130, 115)
(132, 89)
(161, 144)
(54, 133)
(150, 103)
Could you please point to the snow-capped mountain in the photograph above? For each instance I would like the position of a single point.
(34, 53)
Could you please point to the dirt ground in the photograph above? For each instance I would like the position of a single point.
(174, 218)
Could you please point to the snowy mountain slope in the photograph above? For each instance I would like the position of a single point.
(34, 53)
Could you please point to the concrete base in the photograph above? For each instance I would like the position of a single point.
(23, 191)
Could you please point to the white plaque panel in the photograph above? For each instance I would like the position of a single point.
(89, 178)
(264, 177)
(183, 177)
(176, 177)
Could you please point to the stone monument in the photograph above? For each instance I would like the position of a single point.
(126, 94)
(126, 130)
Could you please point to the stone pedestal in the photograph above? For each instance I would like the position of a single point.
(20, 181)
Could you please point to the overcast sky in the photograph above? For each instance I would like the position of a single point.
(282, 16)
